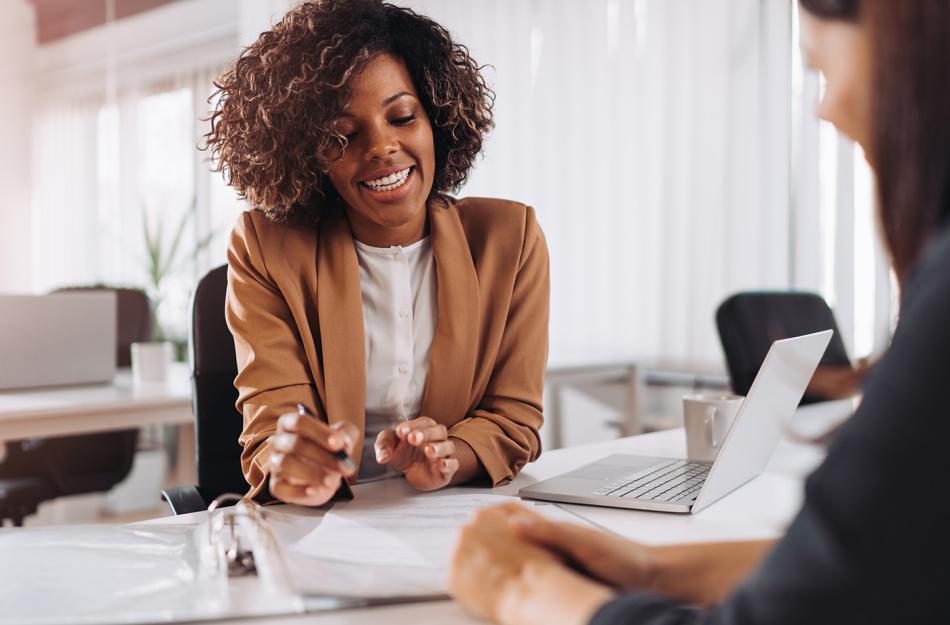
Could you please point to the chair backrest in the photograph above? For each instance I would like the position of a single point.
(218, 424)
(749, 322)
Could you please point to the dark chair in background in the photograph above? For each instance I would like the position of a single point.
(749, 322)
(218, 424)
(37, 470)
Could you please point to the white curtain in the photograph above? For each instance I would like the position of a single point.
(669, 147)
(104, 167)
(652, 136)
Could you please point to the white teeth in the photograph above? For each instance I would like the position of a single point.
(390, 182)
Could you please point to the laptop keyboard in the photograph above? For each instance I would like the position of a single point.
(672, 481)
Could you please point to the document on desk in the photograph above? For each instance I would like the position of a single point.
(387, 548)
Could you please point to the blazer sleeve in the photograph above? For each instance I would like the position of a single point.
(504, 428)
(272, 366)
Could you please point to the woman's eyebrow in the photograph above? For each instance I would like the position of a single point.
(396, 96)
(386, 102)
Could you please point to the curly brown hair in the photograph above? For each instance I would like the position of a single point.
(273, 122)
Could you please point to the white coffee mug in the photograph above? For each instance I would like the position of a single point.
(707, 419)
(150, 362)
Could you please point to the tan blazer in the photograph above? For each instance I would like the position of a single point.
(295, 308)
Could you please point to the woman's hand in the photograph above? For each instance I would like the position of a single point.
(501, 577)
(304, 469)
(422, 451)
(838, 381)
(606, 557)
(697, 573)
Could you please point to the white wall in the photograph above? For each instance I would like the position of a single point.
(16, 61)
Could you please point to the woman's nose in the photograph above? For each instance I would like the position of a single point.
(381, 144)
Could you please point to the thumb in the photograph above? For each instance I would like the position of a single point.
(350, 434)
(535, 528)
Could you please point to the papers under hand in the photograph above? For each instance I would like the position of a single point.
(384, 548)
(417, 531)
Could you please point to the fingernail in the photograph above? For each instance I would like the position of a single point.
(283, 440)
(310, 490)
(382, 456)
(335, 441)
(329, 481)
(416, 437)
(403, 429)
(288, 420)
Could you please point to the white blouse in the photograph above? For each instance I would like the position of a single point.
(399, 317)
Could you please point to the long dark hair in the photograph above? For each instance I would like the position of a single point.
(910, 140)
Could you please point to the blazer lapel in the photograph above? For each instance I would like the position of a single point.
(340, 310)
(453, 354)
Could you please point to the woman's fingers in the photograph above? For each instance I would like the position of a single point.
(421, 431)
(350, 433)
(443, 449)
(385, 445)
(289, 444)
(315, 430)
(293, 468)
(447, 467)
(299, 494)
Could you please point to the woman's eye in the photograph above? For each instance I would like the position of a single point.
(402, 121)
(349, 136)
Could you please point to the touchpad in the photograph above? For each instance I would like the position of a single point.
(603, 470)
(596, 472)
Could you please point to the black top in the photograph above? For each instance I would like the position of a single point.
(871, 543)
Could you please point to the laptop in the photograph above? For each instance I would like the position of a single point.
(58, 339)
(684, 486)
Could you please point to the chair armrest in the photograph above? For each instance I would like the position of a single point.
(184, 499)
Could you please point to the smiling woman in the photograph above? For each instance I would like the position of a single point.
(385, 174)
(358, 287)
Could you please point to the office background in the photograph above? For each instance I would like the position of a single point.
(669, 146)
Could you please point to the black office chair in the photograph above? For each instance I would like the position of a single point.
(36, 470)
(218, 424)
(749, 322)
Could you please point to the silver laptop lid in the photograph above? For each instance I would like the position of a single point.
(756, 430)
(58, 339)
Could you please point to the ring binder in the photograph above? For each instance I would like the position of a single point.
(238, 543)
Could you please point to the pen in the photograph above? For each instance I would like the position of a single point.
(341, 455)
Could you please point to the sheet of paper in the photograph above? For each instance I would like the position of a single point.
(417, 531)
(388, 547)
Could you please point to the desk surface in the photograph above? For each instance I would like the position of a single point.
(760, 509)
(58, 411)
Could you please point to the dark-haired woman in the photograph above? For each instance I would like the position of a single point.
(870, 544)
(411, 325)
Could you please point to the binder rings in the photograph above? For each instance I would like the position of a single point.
(229, 565)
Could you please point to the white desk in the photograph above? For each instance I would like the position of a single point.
(760, 509)
(58, 411)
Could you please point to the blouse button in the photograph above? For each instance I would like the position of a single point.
(404, 368)
(403, 312)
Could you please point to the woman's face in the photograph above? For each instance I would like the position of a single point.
(385, 173)
(841, 51)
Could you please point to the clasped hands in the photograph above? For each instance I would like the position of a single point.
(304, 468)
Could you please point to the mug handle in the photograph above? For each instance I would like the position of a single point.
(709, 423)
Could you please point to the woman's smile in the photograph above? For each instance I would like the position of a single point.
(391, 185)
